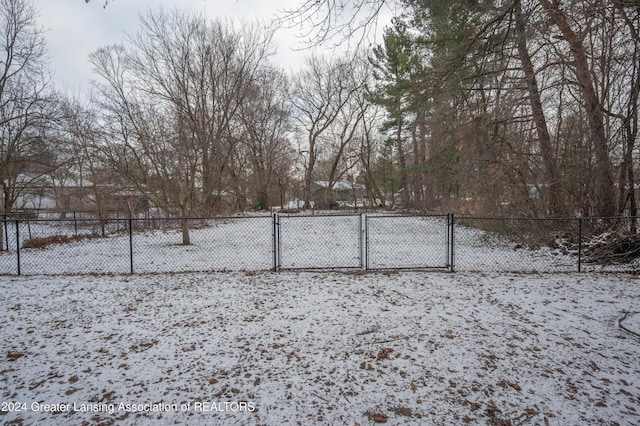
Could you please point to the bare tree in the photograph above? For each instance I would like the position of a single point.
(369, 152)
(25, 104)
(629, 114)
(321, 93)
(205, 70)
(150, 147)
(340, 152)
(173, 98)
(592, 105)
(82, 163)
(266, 118)
(537, 111)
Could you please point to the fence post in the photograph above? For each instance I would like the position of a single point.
(363, 241)
(18, 244)
(75, 224)
(579, 244)
(6, 231)
(366, 245)
(452, 242)
(275, 233)
(131, 246)
(273, 241)
(447, 251)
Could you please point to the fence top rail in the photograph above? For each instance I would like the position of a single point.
(136, 219)
(230, 217)
(549, 219)
(307, 215)
(7, 218)
(399, 215)
(368, 214)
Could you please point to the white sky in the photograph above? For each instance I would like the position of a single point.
(74, 29)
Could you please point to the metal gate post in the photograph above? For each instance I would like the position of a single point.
(452, 243)
(362, 241)
(448, 243)
(130, 246)
(366, 243)
(273, 241)
(276, 242)
(18, 244)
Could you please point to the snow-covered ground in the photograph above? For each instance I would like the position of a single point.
(321, 348)
(247, 243)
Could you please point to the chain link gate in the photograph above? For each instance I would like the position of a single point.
(318, 242)
(366, 242)
(409, 242)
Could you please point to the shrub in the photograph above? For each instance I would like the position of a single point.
(42, 242)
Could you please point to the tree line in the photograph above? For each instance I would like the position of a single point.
(523, 107)
(493, 107)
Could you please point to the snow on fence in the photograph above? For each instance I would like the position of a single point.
(281, 242)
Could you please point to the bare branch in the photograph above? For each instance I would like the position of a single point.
(337, 21)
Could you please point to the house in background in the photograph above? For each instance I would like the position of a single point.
(44, 193)
(342, 194)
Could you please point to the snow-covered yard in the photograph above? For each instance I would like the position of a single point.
(321, 348)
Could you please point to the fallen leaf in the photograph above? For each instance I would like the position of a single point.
(379, 418)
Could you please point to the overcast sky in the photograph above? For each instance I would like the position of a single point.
(74, 29)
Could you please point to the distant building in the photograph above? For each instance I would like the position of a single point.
(343, 194)
(46, 193)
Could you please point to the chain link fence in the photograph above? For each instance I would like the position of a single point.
(118, 246)
(319, 242)
(356, 241)
(547, 245)
(512, 244)
(408, 242)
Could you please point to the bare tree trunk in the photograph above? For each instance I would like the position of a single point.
(630, 124)
(3, 215)
(373, 189)
(308, 178)
(97, 195)
(402, 162)
(544, 139)
(419, 157)
(605, 194)
(184, 226)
